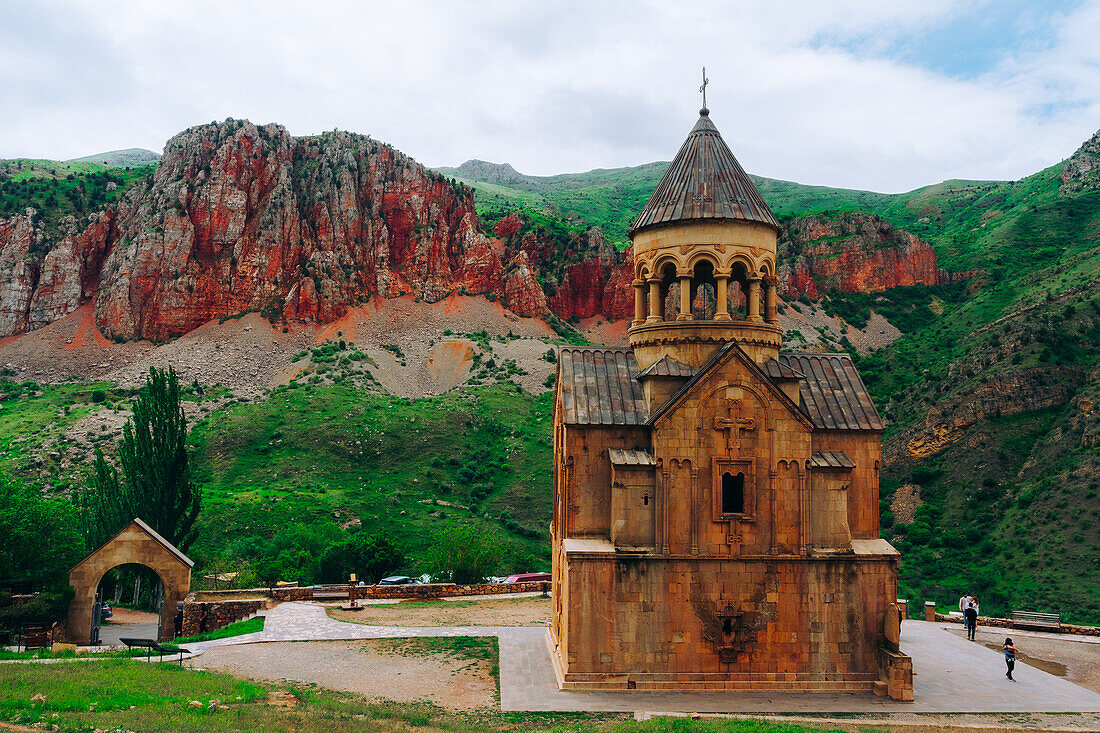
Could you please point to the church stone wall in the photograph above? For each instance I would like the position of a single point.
(585, 476)
(755, 623)
(864, 447)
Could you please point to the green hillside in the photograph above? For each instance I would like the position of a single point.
(59, 189)
(282, 476)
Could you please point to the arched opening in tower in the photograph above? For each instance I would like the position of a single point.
(738, 291)
(670, 292)
(704, 301)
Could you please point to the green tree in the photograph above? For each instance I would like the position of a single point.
(464, 554)
(153, 454)
(371, 556)
(40, 541)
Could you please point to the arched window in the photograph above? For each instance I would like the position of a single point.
(733, 493)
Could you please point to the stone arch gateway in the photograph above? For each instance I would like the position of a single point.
(137, 543)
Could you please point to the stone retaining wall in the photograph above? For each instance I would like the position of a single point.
(201, 617)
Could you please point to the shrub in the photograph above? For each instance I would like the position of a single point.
(464, 554)
(98, 396)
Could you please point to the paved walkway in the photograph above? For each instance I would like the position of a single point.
(952, 674)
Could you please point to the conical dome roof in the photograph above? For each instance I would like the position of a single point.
(704, 181)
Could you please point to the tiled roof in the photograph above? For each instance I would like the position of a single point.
(704, 181)
(666, 366)
(831, 392)
(600, 387)
(831, 459)
(780, 370)
(631, 457)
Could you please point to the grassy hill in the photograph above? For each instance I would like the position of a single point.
(283, 476)
(132, 157)
(59, 189)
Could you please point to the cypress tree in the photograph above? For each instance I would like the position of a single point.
(153, 454)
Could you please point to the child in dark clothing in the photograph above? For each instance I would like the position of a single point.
(1010, 657)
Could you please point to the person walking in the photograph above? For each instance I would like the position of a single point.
(1010, 657)
(964, 603)
(970, 616)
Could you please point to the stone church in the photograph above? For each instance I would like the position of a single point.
(716, 501)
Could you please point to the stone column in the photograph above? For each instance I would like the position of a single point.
(639, 302)
(685, 299)
(656, 311)
(722, 312)
(771, 312)
(754, 300)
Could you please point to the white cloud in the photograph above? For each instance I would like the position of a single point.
(808, 91)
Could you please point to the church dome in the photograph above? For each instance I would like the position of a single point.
(704, 181)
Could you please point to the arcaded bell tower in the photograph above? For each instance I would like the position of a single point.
(704, 258)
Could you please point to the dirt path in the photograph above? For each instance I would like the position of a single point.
(490, 612)
(405, 670)
(130, 616)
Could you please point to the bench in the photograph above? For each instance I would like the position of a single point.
(1033, 620)
(339, 592)
(154, 646)
(37, 636)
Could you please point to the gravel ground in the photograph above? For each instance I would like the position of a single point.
(249, 355)
(1077, 661)
(496, 612)
(379, 669)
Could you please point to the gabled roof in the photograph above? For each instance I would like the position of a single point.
(140, 524)
(831, 459)
(728, 351)
(704, 181)
(600, 387)
(666, 366)
(831, 391)
(631, 457)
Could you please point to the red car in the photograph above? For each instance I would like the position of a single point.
(527, 577)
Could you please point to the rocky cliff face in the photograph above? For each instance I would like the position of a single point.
(1082, 169)
(852, 252)
(583, 276)
(239, 217)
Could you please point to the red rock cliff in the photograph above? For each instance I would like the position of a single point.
(851, 252)
(583, 276)
(239, 217)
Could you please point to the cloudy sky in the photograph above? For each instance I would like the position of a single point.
(868, 94)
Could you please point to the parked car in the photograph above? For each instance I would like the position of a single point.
(396, 580)
(105, 611)
(528, 577)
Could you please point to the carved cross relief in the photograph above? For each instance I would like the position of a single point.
(734, 424)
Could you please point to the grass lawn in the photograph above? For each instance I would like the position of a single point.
(157, 697)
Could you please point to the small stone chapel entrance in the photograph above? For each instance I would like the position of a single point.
(137, 543)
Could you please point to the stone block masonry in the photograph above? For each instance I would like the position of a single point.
(202, 617)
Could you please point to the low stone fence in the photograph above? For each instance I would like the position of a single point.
(413, 591)
(207, 610)
(1005, 623)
